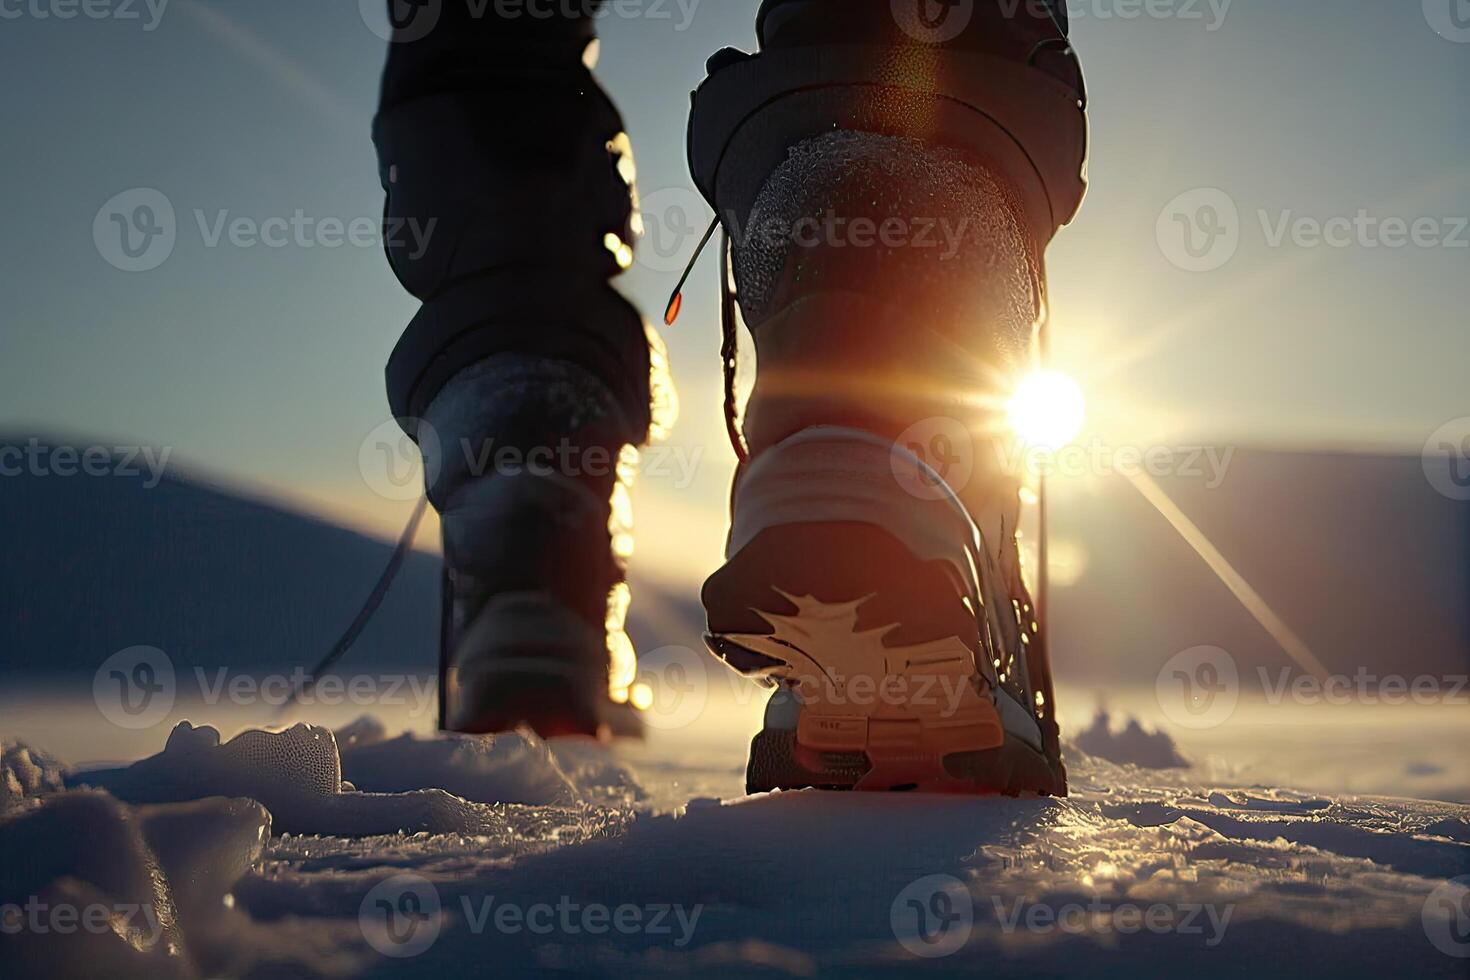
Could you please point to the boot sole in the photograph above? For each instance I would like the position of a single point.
(880, 651)
(538, 666)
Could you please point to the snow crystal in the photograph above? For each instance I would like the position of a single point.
(297, 775)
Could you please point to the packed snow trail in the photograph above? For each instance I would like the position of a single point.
(342, 854)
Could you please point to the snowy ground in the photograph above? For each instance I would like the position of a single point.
(645, 858)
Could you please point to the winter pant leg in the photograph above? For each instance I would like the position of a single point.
(510, 198)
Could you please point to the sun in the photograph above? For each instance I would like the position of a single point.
(1047, 410)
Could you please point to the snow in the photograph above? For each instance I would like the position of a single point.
(368, 852)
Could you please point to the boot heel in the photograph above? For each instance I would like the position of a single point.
(873, 622)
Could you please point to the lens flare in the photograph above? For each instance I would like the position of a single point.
(642, 697)
(1047, 410)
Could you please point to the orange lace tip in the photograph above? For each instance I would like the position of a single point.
(672, 313)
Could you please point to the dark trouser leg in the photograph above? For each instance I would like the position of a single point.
(498, 147)
(525, 375)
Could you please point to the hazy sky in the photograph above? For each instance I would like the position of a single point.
(264, 364)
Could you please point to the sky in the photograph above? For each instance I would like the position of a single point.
(1315, 154)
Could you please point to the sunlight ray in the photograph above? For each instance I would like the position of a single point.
(1254, 603)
